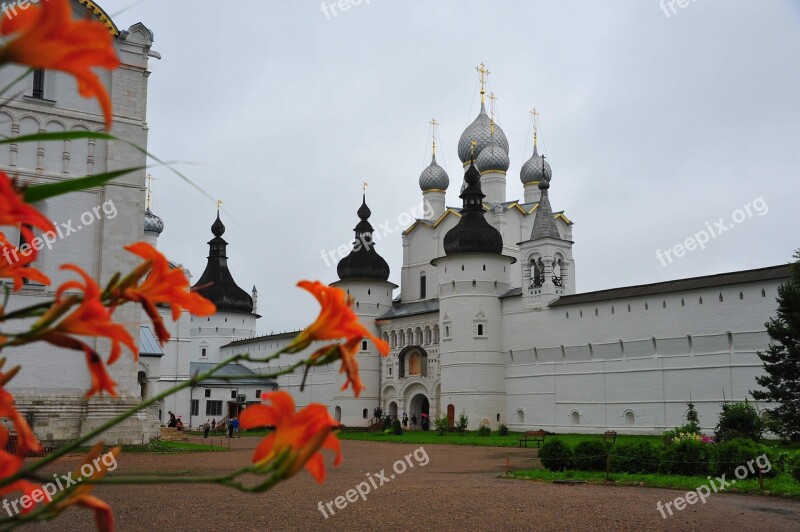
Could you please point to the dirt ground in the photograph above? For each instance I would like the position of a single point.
(456, 488)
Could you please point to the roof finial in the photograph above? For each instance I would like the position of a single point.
(433, 124)
(535, 114)
(219, 204)
(484, 72)
(150, 180)
(472, 149)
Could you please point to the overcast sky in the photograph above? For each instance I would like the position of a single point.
(655, 125)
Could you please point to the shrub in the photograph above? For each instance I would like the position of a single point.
(687, 457)
(462, 423)
(793, 465)
(441, 423)
(739, 420)
(483, 429)
(739, 452)
(396, 428)
(635, 457)
(591, 455)
(387, 423)
(556, 455)
(502, 429)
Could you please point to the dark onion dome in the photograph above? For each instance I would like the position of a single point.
(434, 177)
(536, 169)
(544, 224)
(472, 233)
(493, 158)
(152, 223)
(217, 284)
(480, 130)
(363, 262)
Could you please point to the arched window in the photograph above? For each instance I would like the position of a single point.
(414, 364)
(520, 416)
(337, 413)
(575, 417)
(630, 417)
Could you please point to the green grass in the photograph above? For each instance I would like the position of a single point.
(782, 485)
(159, 446)
(472, 438)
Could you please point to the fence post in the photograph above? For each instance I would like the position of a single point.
(608, 465)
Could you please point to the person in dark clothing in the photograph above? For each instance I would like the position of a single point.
(172, 421)
(230, 428)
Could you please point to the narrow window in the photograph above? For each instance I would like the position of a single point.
(204, 352)
(365, 413)
(258, 394)
(233, 394)
(195, 407)
(480, 329)
(38, 84)
(208, 393)
(364, 345)
(423, 289)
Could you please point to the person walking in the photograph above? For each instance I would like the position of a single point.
(414, 421)
(405, 420)
(236, 427)
(172, 421)
(230, 428)
(206, 428)
(213, 425)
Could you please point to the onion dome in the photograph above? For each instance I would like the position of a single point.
(493, 158)
(152, 223)
(480, 130)
(536, 169)
(434, 177)
(363, 262)
(217, 284)
(472, 233)
(544, 224)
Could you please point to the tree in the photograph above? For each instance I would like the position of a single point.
(781, 384)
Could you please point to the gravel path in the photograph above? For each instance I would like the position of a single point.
(459, 488)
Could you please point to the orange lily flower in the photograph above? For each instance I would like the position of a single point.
(10, 465)
(298, 436)
(15, 212)
(163, 285)
(91, 318)
(347, 354)
(47, 36)
(80, 496)
(26, 440)
(337, 320)
(16, 265)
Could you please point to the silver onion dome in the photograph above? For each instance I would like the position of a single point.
(480, 130)
(152, 223)
(493, 158)
(434, 177)
(535, 169)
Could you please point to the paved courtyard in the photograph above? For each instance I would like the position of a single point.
(459, 488)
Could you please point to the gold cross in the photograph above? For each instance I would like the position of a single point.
(484, 72)
(364, 187)
(219, 204)
(433, 124)
(150, 180)
(472, 148)
(534, 114)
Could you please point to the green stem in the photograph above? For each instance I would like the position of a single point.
(116, 420)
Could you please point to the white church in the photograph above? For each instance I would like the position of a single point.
(486, 319)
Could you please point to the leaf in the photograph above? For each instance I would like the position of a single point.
(39, 192)
(63, 135)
